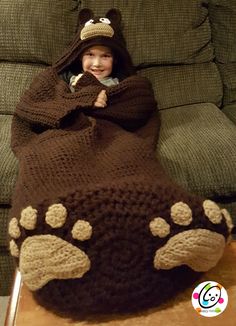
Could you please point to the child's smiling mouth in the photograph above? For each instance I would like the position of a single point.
(97, 71)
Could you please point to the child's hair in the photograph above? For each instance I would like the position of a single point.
(94, 31)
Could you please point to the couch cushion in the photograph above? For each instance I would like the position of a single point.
(223, 25)
(198, 148)
(7, 264)
(163, 31)
(185, 84)
(4, 213)
(228, 75)
(15, 78)
(230, 112)
(7, 268)
(36, 31)
(8, 162)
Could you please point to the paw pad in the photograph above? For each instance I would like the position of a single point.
(13, 228)
(227, 219)
(181, 214)
(56, 215)
(159, 227)
(82, 230)
(47, 257)
(28, 218)
(14, 249)
(212, 211)
(199, 249)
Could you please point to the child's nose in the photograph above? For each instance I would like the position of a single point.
(97, 61)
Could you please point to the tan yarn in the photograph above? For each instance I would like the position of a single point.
(47, 257)
(14, 249)
(28, 218)
(98, 29)
(181, 214)
(229, 223)
(212, 211)
(228, 219)
(159, 227)
(13, 228)
(56, 215)
(82, 230)
(199, 249)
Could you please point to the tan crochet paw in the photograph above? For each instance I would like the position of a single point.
(47, 257)
(199, 249)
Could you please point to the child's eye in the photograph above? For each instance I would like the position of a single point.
(89, 54)
(108, 55)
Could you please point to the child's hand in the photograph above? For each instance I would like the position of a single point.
(101, 100)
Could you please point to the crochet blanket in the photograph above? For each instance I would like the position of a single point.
(96, 224)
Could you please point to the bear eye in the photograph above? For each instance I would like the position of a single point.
(105, 20)
(89, 22)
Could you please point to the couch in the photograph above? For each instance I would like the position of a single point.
(187, 48)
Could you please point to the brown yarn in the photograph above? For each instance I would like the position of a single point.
(92, 199)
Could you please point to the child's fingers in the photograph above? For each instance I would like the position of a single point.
(100, 103)
(101, 100)
(103, 95)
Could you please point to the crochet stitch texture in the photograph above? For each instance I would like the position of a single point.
(96, 224)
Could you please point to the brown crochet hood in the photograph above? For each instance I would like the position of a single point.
(92, 31)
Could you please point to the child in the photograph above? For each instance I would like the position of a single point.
(98, 60)
(101, 52)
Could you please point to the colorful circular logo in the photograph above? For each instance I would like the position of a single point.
(209, 299)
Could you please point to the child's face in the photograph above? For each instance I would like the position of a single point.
(98, 60)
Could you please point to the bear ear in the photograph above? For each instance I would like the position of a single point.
(114, 15)
(84, 15)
